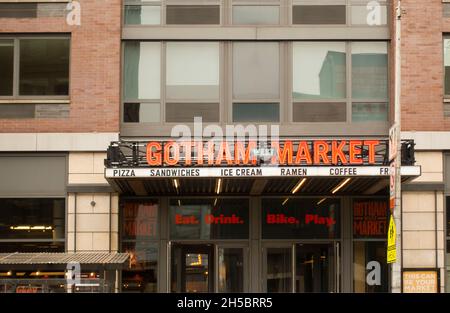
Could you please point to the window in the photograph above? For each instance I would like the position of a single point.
(369, 15)
(32, 224)
(140, 235)
(319, 75)
(142, 82)
(256, 80)
(369, 81)
(206, 219)
(319, 14)
(6, 67)
(320, 91)
(256, 15)
(193, 14)
(144, 12)
(43, 66)
(447, 66)
(302, 215)
(370, 224)
(192, 81)
(18, 10)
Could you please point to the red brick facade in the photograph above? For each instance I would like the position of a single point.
(423, 27)
(94, 69)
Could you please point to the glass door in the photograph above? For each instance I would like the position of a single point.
(231, 266)
(316, 268)
(192, 268)
(302, 267)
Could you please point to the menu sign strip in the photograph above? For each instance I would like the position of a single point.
(262, 171)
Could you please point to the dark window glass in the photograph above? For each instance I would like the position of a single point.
(256, 112)
(279, 270)
(141, 112)
(17, 110)
(18, 10)
(370, 218)
(142, 15)
(141, 272)
(308, 218)
(6, 67)
(231, 270)
(369, 256)
(448, 216)
(193, 14)
(209, 219)
(369, 112)
(44, 67)
(185, 112)
(320, 112)
(318, 14)
(32, 219)
(31, 247)
(139, 220)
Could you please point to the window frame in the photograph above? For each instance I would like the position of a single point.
(16, 73)
(266, 3)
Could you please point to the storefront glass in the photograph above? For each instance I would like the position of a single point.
(139, 238)
(370, 222)
(205, 219)
(300, 218)
(32, 224)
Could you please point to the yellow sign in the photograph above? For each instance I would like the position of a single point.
(420, 282)
(391, 247)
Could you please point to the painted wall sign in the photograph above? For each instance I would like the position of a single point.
(420, 281)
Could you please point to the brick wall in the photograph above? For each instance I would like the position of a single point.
(94, 69)
(422, 66)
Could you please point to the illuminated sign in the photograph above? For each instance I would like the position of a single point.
(316, 152)
(370, 218)
(139, 220)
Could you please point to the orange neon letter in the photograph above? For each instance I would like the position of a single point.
(320, 152)
(337, 152)
(371, 144)
(224, 152)
(355, 151)
(175, 150)
(282, 155)
(240, 153)
(303, 153)
(154, 158)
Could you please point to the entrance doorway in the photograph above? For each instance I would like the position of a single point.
(208, 268)
(302, 267)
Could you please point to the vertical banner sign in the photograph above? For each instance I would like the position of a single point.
(392, 181)
(391, 247)
(393, 137)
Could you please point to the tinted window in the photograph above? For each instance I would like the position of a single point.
(319, 14)
(6, 67)
(193, 14)
(320, 112)
(209, 219)
(256, 112)
(33, 219)
(44, 67)
(256, 15)
(308, 218)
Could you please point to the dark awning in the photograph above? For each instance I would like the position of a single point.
(45, 261)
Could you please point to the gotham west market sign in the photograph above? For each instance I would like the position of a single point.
(283, 159)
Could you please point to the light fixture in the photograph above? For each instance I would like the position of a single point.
(298, 186)
(219, 185)
(215, 202)
(179, 202)
(9, 273)
(28, 227)
(321, 201)
(341, 184)
(285, 200)
(176, 184)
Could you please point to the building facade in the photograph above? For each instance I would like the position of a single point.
(226, 145)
